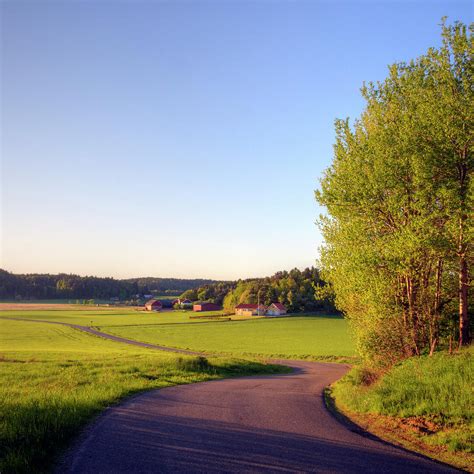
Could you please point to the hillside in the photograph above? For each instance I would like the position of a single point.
(298, 290)
(51, 286)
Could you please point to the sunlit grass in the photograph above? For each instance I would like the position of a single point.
(53, 379)
(291, 337)
(433, 391)
(317, 336)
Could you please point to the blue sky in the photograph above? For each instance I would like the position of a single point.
(183, 139)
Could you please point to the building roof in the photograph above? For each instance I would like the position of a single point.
(152, 302)
(279, 306)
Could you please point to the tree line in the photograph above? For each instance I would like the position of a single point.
(298, 290)
(47, 286)
(399, 195)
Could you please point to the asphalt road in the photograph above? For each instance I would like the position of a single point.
(252, 424)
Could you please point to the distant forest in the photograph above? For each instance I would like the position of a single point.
(298, 290)
(46, 286)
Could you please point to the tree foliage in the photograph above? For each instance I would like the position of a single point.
(399, 196)
(46, 286)
(297, 290)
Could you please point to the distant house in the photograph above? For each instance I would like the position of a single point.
(182, 303)
(153, 305)
(250, 310)
(206, 307)
(276, 309)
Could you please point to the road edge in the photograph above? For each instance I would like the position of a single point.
(351, 424)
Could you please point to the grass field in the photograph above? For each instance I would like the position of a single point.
(54, 379)
(318, 337)
(426, 401)
(104, 317)
(292, 337)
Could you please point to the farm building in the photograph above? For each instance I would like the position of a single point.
(206, 307)
(182, 303)
(153, 305)
(250, 310)
(276, 309)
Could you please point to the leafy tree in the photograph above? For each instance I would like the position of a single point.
(400, 197)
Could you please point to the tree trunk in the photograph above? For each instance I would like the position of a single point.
(464, 335)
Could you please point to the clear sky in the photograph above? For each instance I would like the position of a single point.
(183, 139)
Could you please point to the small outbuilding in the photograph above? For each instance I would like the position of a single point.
(153, 305)
(276, 309)
(206, 307)
(250, 309)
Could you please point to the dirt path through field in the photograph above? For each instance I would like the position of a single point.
(105, 335)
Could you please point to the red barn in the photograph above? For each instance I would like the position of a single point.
(206, 307)
(153, 305)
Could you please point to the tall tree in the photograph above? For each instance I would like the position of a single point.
(400, 200)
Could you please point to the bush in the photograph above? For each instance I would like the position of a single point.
(194, 364)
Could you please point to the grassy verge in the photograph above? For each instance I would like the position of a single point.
(423, 403)
(54, 379)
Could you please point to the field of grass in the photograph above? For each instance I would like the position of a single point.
(105, 317)
(300, 337)
(291, 337)
(54, 379)
(429, 400)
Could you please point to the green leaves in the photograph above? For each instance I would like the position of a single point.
(400, 198)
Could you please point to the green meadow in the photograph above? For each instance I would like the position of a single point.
(304, 337)
(301, 337)
(54, 379)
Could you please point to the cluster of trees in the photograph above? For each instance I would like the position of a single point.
(171, 286)
(210, 292)
(399, 196)
(46, 286)
(297, 290)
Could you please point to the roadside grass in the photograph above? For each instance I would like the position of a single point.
(54, 379)
(426, 402)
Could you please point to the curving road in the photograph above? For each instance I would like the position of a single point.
(269, 424)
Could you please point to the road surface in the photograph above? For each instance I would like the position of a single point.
(268, 424)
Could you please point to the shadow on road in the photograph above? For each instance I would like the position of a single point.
(176, 444)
